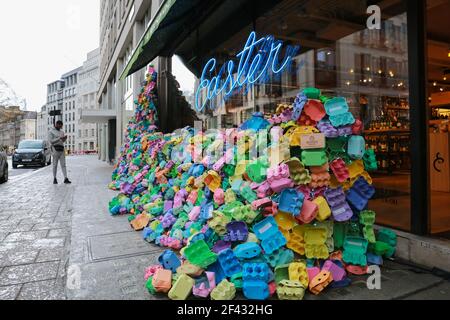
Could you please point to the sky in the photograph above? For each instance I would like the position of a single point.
(41, 40)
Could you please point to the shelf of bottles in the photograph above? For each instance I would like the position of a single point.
(389, 136)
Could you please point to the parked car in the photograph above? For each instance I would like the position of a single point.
(3, 167)
(32, 152)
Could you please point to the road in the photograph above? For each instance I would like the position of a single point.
(20, 170)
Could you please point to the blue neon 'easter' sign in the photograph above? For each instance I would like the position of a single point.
(256, 60)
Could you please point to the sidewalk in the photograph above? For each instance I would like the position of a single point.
(47, 230)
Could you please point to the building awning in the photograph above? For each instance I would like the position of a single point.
(97, 115)
(190, 28)
(172, 17)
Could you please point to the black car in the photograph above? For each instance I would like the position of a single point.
(3, 167)
(32, 152)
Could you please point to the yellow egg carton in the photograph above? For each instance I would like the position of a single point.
(285, 221)
(218, 223)
(290, 290)
(298, 172)
(355, 169)
(329, 226)
(225, 290)
(182, 288)
(297, 239)
(324, 210)
(297, 272)
(315, 247)
(230, 196)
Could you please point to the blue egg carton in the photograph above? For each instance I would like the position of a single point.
(247, 250)
(327, 129)
(336, 106)
(273, 243)
(266, 228)
(229, 262)
(256, 272)
(169, 260)
(356, 147)
(342, 120)
(340, 284)
(256, 290)
(360, 194)
(237, 231)
(299, 104)
(291, 201)
(373, 259)
(146, 233)
(279, 257)
(207, 210)
(219, 273)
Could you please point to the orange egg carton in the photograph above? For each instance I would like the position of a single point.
(320, 282)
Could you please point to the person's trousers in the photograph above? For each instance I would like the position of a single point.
(59, 157)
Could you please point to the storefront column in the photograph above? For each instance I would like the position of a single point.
(418, 76)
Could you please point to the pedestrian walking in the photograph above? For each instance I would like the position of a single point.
(57, 138)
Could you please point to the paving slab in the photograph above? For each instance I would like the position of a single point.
(28, 273)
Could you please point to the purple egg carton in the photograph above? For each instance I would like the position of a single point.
(168, 204)
(360, 194)
(220, 246)
(345, 131)
(237, 231)
(299, 104)
(168, 220)
(338, 204)
(327, 129)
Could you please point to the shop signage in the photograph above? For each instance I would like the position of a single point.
(255, 63)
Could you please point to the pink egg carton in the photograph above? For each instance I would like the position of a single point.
(262, 189)
(278, 178)
(315, 110)
(357, 127)
(150, 271)
(340, 170)
(309, 212)
(195, 213)
(203, 289)
(312, 272)
(219, 196)
(180, 198)
(192, 198)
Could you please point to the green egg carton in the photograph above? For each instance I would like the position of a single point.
(150, 288)
(382, 249)
(245, 213)
(257, 171)
(237, 280)
(199, 254)
(229, 208)
(315, 157)
(355, 250)
(367, 219)
(281, 273)
(312, 93)
(370, 160)
(298, 173)
(387, 236)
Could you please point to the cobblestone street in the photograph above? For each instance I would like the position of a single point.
(49, 231)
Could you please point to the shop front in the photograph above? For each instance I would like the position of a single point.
(393, 73)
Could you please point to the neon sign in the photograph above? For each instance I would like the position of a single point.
(258, 59)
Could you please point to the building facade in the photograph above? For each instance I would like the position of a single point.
(70, 105)
(42, 123)
(88, 79)
(122, 24)
(16, 125)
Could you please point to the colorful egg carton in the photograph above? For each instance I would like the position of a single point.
(339, 207)
(298, 173)
(247, 250)
(382, 249)
(244, 213)
(237, 231)
(199, 254)
(169, 260)
(229, 262)
(296, 240)
(297, 272)
(360, 194)
(315, 247)
(306, 120)
(255, 272)
(320, 282)
(281, 273)
(312, 93)
(315, 110)
(387, 236)
(370, 160)
(338, 273)
(324, 211)
(340, 170)
(182, 288)
(320, 176)
(355, 249)
(279, 257)
(314, 158)
(355, 169)
(162, 280)
(225, 290)
(327, 129)
(309, 212)
(298, 106)
(278, 178)
(168, 220)
(356, 147)
(367, 220)
(204, 285)
(290, 290)
(285, 221)
(219, 223)
(188, 268)
(291, 201)
(255, 290)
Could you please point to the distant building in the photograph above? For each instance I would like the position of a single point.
(88, 81)
(69, 107)
(16, 125)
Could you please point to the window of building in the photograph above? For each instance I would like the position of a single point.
(93, 132)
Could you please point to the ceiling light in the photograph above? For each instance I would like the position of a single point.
(380, 71)
(352, 71)
(442, 89)
(368, 68)
(434, 84)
